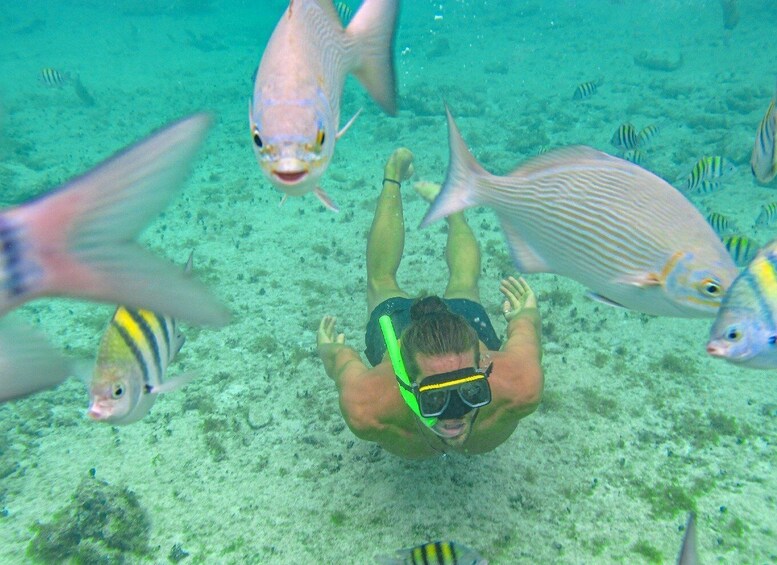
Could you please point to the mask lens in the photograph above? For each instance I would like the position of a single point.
(476, 393)
(433, 403)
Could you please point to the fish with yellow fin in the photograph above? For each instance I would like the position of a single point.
(134, 353)
(294, 113)
(763, 161)
(629, 236)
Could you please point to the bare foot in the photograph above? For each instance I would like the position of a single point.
(427, 190)
(399, 167)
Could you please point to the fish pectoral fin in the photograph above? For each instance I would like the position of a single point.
(524, 256)
(325, 200)
(173, 384)
(604, 300)
(348, 124)
(643, 280)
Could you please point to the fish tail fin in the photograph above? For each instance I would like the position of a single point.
(459, 191)
(80, 240)
(28, 363)
(373, 28)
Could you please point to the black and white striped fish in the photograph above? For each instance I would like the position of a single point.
(767, 216)
(134, 353)
(625, 137)
(646, 134)
(720, 223)
(708, 168)
(586, 89)
(763, 161)
(54, 78)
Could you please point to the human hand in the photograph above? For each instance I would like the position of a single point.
(519, 296)
(399, 166)
(326, 332)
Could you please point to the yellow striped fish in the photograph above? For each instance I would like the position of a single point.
(54, 78)
(745, 330)
(344, 11)
(763, 161)
(767, 216)
(434, 553)
(134, 353)
(708, 168)
(625, 137)
(586, 89)
(646, 134)
(633, 239)
(742, 248)
(720, 223)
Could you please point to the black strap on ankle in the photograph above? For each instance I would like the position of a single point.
(396, 182)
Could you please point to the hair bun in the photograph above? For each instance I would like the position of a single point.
(427, 306)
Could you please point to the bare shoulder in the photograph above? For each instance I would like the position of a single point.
(371, 400)
(516, 379)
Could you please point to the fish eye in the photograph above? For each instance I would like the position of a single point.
(711, 287)
(118, 391)
(257, 139)
(733, 334)
(772, 339)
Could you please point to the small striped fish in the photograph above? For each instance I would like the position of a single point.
(742, 248)
(636, 156)
(767, 216)
(586, 89)
(134, 353)
(344, 11)
(706, 187)
(54, 78)
(434, 553)
(763, 161)
(647, 134)
(745, 330)
(720, 223)
(618, 229)
(625, 137)
(708, 168)
(542, 149)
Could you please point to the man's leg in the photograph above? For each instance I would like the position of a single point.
(462, 252)
(386, 241)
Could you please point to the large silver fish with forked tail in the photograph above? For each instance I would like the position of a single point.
(626, 234)
(295, 111)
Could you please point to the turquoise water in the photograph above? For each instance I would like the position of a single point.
(252, 462)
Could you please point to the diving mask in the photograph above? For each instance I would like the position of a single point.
(436, 398)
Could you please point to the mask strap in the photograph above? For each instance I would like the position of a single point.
(405, 387)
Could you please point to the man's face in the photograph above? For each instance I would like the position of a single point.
(453, 432)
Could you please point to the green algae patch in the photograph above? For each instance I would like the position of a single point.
(102, 524)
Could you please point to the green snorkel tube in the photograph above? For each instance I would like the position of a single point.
(405, 386)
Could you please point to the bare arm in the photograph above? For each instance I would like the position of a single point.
(523, 347)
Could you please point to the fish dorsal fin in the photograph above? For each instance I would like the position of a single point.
(561, 157)
(526, 259)
(348, 124)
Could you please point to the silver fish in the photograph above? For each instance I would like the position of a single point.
(294, 114)
(745, 330)
(620, 230)
(78, 240)
(763, 161)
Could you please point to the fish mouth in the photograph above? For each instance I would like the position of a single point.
(290, 177)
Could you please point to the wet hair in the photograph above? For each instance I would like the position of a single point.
(435, 330)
